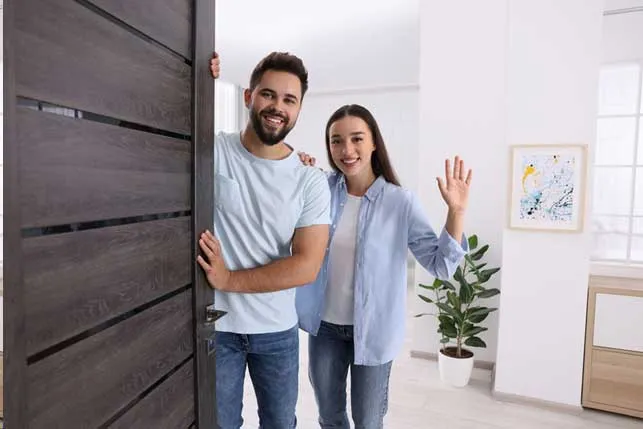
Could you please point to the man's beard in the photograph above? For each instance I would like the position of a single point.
(267, 137)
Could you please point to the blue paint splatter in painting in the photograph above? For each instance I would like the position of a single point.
(547, 183)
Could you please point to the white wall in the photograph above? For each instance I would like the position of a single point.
(514, 72)
(553, 61)
(394, 108)
(343, 43)
(462, 111)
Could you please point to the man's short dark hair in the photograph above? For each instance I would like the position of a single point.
(281, 61)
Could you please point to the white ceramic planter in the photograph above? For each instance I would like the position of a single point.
(455, 372)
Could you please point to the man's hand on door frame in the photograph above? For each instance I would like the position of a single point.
(215, 270)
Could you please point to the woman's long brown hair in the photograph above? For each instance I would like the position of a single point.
(380, 161)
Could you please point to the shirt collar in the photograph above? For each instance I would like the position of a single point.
(373, 191)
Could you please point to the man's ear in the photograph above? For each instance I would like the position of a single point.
(247, 96)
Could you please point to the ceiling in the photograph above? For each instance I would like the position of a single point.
(344, 43)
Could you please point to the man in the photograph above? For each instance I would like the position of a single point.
(271, 220)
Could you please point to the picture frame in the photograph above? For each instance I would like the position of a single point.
(547, 187)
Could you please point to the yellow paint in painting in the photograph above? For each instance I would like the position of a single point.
(529, 170)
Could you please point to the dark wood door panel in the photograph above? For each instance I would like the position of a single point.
(79, 59)
(170, 406)
(167, 22)
(104, 297)
(86, 384)
(74, 170)
(78, 280)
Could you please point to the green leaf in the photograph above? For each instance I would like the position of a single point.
(478, 319)
(488, 293)
(444, 319)
(485, 275)
(466, 294)
(478, 254)
(473, 330)
(490, 271)
(437, 283)
(425, 299)
(424, 314)
(475, 311)
(444, 340)
(448, 330)
(447, 324)
(475, 342)
(472, 265)
(448, 310)
(423, 286)
(481, 266)
(478, 314)
(447, 333)
(473, 242)
(453, 300)
(447, 285)
(458, 275)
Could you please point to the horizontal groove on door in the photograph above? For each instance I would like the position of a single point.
(37, 357)
(68, 112)
(167, 404)
(79, 59)
(87, 383)
(164, 23)
(84, 226)
(78, 281)
(75, 171)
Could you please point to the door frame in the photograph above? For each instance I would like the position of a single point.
(203, 205)
(15, 361)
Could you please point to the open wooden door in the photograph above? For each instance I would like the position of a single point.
(109, 126)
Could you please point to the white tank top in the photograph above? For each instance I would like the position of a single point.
(341, 266)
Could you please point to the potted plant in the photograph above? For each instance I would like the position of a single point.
(459, 313)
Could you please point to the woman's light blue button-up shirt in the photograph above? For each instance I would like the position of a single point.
(390, 222)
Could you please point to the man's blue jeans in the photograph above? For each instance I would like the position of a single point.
(331, 354)
(273, 363)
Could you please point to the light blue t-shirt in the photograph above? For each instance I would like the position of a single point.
(258, 205)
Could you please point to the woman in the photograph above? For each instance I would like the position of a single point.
(355, 311)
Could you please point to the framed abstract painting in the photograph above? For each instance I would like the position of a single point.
(547, 187)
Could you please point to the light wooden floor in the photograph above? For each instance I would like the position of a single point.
(418, 400)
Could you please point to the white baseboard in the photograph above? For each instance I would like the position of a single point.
(508, 397)
(481, 364)
(535, 402)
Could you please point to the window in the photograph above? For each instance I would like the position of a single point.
(617, 221)
(228, 107)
